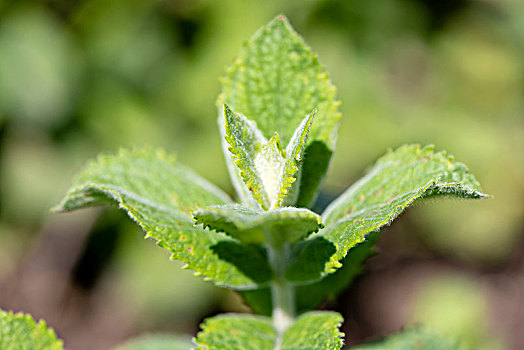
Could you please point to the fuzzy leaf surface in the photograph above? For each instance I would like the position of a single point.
(284, 225)
(397, 180)
(276, 80)
(160, 195)
(20, 331)
(267, 170)
(313, 330)
(413, 339)
(157, 342)
(245, 141)
(237, 332)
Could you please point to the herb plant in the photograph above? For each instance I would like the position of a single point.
(278, 115)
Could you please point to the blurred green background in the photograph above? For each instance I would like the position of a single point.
(78, 77)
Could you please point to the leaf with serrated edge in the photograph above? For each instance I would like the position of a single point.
(237, 332)
(20, 331)
(289, 190)
(313, 330)
(317, 330)
(283, 225)
(160, 194)
(413, 339)
(244, 140)
(396, 181)
(275, 81)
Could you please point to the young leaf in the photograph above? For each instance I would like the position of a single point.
(20, 331)
(244, 140)
(157, 342)
(267, 170)
(314, 330)
(317, 330)
(275, 81)
(413, 339)
(293, 165)
(269, 164)
(160, 195)
(397, 180)
(283, 225)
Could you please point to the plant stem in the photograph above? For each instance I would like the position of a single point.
(282, 292)
(283, 305)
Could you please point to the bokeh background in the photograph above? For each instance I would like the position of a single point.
(81, 76)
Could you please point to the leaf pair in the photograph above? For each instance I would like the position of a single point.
(248, 332)
(267, 169)
(160, 195)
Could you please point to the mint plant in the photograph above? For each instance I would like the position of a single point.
(278, 115)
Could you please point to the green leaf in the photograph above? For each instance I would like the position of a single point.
(316, 162)
(267, 170)
(158, 342)
(275, 81)
(283, 225)
(413, 339)
(244, 140)
(160, 195)
(314, 330)
(237, 332)
(397, 180)
(317, 330)
(293, 164)
(20, 331)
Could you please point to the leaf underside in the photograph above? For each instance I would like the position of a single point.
(275, 81)
(283, 225)
(397, 180)
(20, 331)
(314, 330)
(413, 339)
(160, 195)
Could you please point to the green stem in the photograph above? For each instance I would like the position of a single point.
(283, 295)
(282, 292)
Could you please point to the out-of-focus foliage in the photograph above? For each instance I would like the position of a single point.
(457, 307)
(78, 77)
(414, 339)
